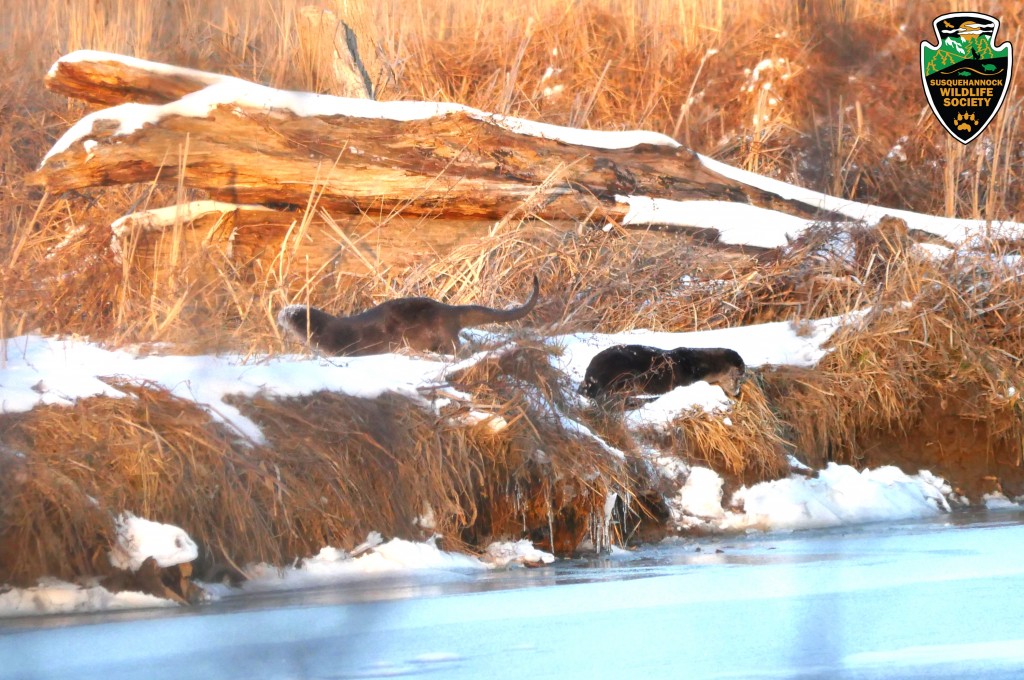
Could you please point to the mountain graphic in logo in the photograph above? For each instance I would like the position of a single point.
(966, 75)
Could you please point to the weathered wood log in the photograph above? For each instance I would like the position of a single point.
(328, 45)
(111, 79)
(244, 143)
(257, 239)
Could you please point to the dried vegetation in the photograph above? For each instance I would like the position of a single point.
(822, 94)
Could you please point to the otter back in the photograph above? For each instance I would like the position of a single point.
(419, 323)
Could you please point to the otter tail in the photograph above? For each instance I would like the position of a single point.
(473, 315)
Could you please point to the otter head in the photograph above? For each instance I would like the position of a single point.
(312, 325)
(731, 374)
(714, 365)
(731, 381)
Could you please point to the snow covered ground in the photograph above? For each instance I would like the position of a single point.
(44, 370)
(41, 370)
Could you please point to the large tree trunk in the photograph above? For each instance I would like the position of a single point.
(256, 240)
(249, 144)
(381, 182)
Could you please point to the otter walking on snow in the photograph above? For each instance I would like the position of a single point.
(630, 370)
(419, 323)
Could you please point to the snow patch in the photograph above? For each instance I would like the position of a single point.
(736, 223)
(504, 553)
(42, 371)
(51, 596)
(332, 565)
(997, 501)
(139, 539)
(838, 495)
(701, 495)
(952, 229)
(662, 411)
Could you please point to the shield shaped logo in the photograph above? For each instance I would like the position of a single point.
(966, 75)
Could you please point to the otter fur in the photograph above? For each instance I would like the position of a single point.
(419, 323)
(631, 370)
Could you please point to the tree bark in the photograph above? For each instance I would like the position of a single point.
(329, 48)
(110, 79)
(459, 165)
(256, 239)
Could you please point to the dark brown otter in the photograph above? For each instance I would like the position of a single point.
(418, 323)
(629, 370)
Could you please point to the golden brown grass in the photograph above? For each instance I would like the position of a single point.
(837, 94)
(825, 111)
(333, 469)
(934, 365)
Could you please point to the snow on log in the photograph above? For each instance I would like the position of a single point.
(246, 143)
(439, 163)
(110, 79)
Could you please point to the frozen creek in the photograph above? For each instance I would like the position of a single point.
(922, 599)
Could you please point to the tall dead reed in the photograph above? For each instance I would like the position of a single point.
(806, 93)
(929, 374)
(823, 94)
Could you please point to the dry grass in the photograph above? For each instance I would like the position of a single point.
(153, 455)
(745, 450)
(571, 473)
(828, 110)
(333, 469)
(934, 362)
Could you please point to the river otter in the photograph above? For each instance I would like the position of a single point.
(629, 370)
(417, 322)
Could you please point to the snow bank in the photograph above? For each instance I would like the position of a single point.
(42, 370)
(139, 539)
(51, 596)
(377, 558)
(373, 559)
(504, 553)
(839, 495)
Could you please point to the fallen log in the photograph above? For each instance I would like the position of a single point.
(245, 143)
(258, 239)
(111, 79)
